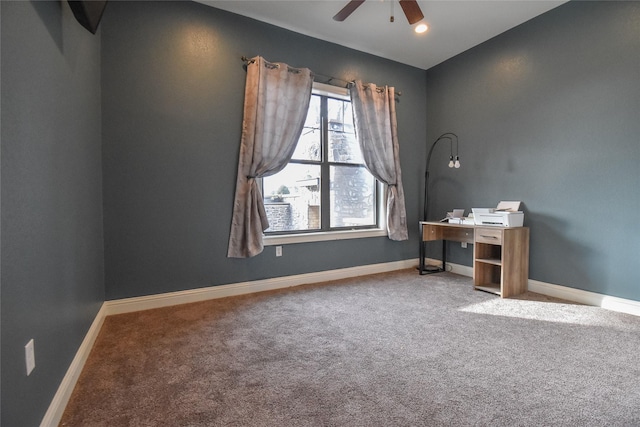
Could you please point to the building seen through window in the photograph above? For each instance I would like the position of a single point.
(325, 186)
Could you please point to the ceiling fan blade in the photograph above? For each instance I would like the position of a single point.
(347, 10)
(411, 10)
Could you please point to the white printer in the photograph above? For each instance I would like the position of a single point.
(506, 214)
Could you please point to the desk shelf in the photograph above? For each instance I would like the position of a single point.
(494, 261)
(501, 260)
(493, 288)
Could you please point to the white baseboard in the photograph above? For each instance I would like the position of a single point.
(586, 297)
(128, 305)
(564, 292)
(56, 409)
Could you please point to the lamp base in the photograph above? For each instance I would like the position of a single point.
(423, 267)
(430, 269)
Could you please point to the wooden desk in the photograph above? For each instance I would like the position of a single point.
(443, 231)
(500, 254)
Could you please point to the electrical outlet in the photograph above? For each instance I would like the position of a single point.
(30, 356)
(278, 250)
(464, 244)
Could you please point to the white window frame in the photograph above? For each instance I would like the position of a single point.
(320, 236)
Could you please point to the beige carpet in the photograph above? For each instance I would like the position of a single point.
(395, 349)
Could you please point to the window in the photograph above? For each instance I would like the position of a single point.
(325, 188)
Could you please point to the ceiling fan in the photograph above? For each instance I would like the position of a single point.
(409, 7)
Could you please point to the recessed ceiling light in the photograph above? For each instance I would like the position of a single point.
(421, 28)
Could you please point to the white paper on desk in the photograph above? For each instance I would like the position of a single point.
(508, 206)
(455, 215)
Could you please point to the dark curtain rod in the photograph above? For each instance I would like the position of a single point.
(328, 79)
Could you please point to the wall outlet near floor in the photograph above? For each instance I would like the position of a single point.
(30, 356)
(278, 250)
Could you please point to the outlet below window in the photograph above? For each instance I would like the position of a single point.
(30, 356)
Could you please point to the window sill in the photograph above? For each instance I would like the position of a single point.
(323, 236)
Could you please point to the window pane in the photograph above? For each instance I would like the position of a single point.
(343, 146)
(308, 147)
(292, 198)
(352, 196)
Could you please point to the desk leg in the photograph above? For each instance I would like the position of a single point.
(421, 268)
(444, 255)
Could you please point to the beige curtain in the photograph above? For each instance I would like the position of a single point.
(374, 112)
(275, 107)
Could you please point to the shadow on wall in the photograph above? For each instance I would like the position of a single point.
(47, 9)
(581, 265)
(442, 189)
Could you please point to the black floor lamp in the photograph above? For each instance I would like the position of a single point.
(454, 162)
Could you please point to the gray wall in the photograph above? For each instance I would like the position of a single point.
(548, 113)
(52, 248)
(173, 90)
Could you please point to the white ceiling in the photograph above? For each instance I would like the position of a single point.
(454, 25)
